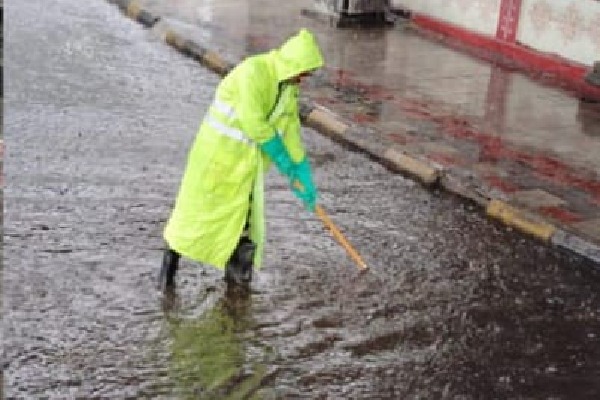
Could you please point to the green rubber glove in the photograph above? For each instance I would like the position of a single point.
(306, 191)
(277, 152)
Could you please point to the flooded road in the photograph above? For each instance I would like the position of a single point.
(99, 115)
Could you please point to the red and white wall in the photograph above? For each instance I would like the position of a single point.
(569, 29)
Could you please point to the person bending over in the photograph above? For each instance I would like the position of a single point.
(218, 217)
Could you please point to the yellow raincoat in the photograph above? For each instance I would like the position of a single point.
(225, 165)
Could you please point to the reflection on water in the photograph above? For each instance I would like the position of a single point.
(208, 353)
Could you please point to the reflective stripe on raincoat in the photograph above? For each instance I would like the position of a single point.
(225, 165)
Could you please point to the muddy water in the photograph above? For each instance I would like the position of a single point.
(99, 116)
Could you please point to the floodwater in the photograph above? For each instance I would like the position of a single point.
(99, 115)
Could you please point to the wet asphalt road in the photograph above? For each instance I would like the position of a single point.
(98, 118)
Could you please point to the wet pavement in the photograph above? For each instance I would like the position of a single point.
(502, 133)
(99, 115)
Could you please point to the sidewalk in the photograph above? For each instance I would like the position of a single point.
(527, 152)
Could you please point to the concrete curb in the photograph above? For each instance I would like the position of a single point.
(133, 10)
(206, 57)
(427, 173)
(577, 245)
(520, 219)
(329, 124)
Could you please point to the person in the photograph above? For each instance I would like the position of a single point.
(218, 216)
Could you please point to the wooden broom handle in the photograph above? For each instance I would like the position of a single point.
(337, 234)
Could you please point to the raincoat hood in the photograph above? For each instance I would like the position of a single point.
(298, 54)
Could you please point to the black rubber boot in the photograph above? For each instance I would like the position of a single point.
(166, 278)
(239, 267)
